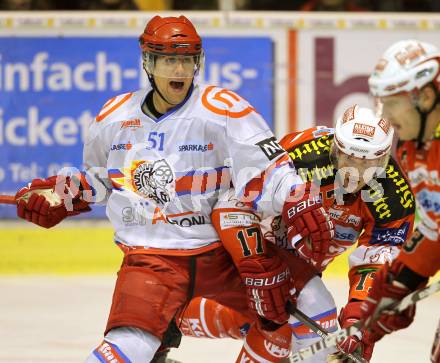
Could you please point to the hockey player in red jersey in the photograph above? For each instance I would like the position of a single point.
(370, 207)
(368, 198)
(241, 234)
(159, 158)
(406, 84)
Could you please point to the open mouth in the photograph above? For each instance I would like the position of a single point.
(176, 85)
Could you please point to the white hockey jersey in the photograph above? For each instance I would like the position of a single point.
(161, 178)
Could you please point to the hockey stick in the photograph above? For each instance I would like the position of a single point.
(332, 339)
(316, 328)
(416, 296)
(50, 195)
(7, 199)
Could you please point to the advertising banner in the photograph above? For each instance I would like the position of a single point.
(332, 69)
(52, 87)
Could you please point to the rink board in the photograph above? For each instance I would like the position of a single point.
(298, 69)
(74, 249)
(52, 87)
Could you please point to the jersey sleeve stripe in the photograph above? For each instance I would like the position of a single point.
(193, 182)
(109, 102)
(104, 113)
(254, 189)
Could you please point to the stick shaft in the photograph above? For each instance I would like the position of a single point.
(416, 296)
(318, 329)
(7, 199)
(333, 338)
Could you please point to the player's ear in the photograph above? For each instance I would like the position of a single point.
(427, 97)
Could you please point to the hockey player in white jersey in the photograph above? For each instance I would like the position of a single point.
(159, 157)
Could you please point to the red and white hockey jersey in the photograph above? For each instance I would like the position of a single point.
(165, 175)
(379, 225)
(422, 253)
(379, 219)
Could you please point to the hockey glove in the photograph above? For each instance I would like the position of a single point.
(378, 319)
(267, 283)
(356, 343)
(43, 201)
(308, 222)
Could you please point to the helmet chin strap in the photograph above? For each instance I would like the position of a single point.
(424, 117)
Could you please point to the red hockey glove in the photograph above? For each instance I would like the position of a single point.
(267, 282)
(378, 320)
(306, 219)
(355, 343)
(42, 202)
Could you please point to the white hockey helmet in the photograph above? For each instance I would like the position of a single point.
(406, 66)
(361, 134)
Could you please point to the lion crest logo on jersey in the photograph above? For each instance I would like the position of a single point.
(154, 180)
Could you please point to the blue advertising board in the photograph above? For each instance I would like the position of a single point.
(52, 87)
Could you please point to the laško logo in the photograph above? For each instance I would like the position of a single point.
(116, 147)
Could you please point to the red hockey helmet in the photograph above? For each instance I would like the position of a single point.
(168, 42)
(170, 36)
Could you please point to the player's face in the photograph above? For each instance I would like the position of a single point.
(401, 112)
(354, 173)
(173, 76)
